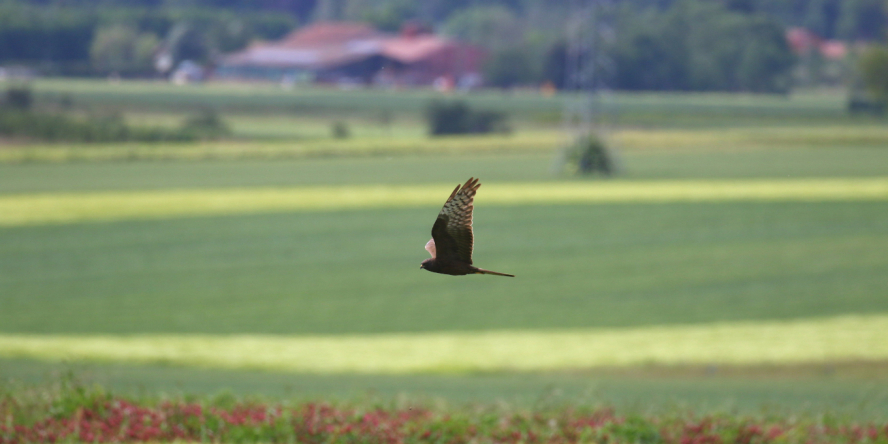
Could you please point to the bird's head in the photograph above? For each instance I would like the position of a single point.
(425, 264)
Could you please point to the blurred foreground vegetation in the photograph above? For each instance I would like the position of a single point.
(66, 409)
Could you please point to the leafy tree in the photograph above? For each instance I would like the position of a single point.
(389, 15)
(696, 45)
(495, 27)
(555, 64)
(651, 53)
(30, 33)
(742, 6)
(458, 118)
(18, 97)
(509, 67)
(873, 67)
(862, 19)
(515, 55)
(822, 16)
(766, 61)
(329, 10)
(64, 33)
(120, 48)
(589, 155)
(185, 42)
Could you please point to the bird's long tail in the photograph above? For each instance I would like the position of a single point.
(483, 271)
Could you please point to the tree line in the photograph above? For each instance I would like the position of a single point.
(700, 45)
(67, 38)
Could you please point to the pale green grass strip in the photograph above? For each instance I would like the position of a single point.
(758, 137)
(29, 209)
(539, 141)
(534, 141)
(794, 342)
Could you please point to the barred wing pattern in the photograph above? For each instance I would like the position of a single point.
(452, 232)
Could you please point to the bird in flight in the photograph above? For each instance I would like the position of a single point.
(452, 237)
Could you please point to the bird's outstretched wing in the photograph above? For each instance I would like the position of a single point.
(452, 232)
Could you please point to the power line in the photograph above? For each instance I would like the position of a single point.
(590, 32)
(588, 64)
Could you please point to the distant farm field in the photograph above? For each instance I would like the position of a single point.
(743, 238)
(641, 108)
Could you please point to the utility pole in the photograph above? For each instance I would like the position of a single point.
(589, 33)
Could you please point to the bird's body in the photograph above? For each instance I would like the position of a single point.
(452, 237)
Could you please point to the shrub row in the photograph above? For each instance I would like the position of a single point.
(64, 128)
(457, 117)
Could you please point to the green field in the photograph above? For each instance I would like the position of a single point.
(722, 244)
(578, 266)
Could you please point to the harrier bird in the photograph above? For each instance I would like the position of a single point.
(452, 238)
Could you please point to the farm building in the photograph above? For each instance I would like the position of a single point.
(355, 53)
(803, 41)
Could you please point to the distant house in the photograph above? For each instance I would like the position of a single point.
(355, 53)
(804, 42)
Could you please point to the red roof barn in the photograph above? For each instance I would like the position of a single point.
(346, 52)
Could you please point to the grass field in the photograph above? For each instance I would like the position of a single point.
(578, 266)
(741, 232)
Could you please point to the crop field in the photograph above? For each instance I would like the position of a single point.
(730, 265)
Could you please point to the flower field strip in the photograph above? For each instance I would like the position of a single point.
(848, 338)
(108, 419)
(33, 209)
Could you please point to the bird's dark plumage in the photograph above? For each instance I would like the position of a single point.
(452, 237)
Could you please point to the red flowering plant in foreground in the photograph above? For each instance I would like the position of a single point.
(93, 416)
